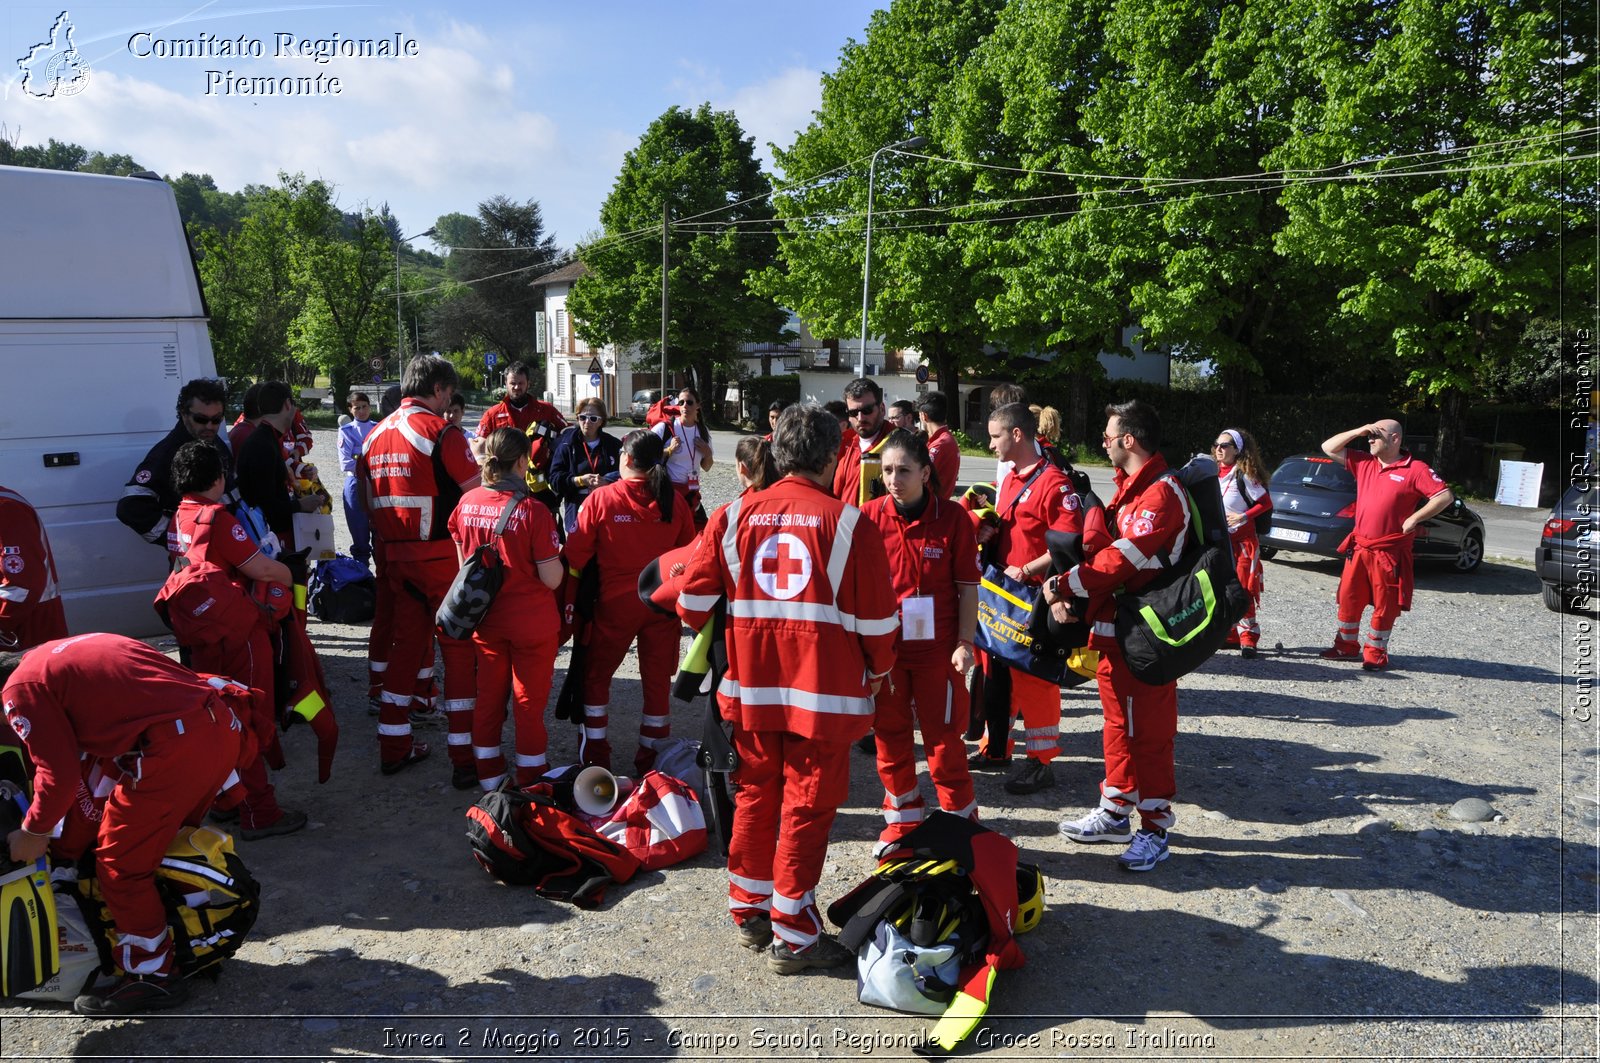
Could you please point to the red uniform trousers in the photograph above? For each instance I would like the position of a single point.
(1141, 722)
(1247, 562)
(789, 790)
(1371, 577)
(617, 622)
(516, 657)
(416, 588)
(1039, 703)
(179, 769)
(937, 694)
(249, 660)
(381, 636)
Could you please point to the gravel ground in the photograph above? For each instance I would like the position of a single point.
(1321, 902)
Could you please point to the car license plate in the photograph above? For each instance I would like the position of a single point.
(1291, 535)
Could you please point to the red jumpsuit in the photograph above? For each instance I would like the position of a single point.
(1378, 571)
(205, 531)
(517, 640)
(1028, 507)
(620, 523)
(418, 465)
(169, 740)
(1246, 546)
(1150, 516)
(30, 596)
(858, 478)
(811, 621)
(933, 556)
(945, 454)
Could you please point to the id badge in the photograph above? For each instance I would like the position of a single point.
(916, 619)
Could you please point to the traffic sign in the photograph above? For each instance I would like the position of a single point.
(377, 378)
(594, 365)
(594, 380)
(377, 364)
(490, 358)
(922, 374)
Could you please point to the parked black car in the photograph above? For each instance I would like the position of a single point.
(1314, 508)
(642, 401)
(1565, 559)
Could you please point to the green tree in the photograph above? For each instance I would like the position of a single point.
(1451, 236)
(493, 256)
(703, 169)
(894, 85)
(344, 268)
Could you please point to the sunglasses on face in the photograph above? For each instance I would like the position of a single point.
(869, 408)
(1109, 439)
(203, 421)
(588, 417)
(1222, 444)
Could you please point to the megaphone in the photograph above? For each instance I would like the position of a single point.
(592, 791)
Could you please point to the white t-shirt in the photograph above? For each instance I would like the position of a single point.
(683, 465)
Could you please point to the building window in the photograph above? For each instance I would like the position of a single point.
(561, 330)
(561, 380)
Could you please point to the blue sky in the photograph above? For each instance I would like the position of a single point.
(536, 100)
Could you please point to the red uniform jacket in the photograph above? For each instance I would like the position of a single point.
(504, 415)
(417, 467)
(934, 555)
(530, 537)
(1149, 515)
(30, 596)
(1032, 505)
(93, 694)
(620, 523)
(945, 454)
(811, 610)
(848, 485)
(203, 530)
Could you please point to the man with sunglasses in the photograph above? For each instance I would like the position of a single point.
(859, 477)
(148, 501)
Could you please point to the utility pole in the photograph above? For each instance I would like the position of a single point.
(666, 222)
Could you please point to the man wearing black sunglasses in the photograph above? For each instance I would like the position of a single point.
(859, 477)
(148, 501)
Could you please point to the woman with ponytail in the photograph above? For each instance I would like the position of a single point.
(1243, 480)
(933, 561)
(516, 641)
(623, 526)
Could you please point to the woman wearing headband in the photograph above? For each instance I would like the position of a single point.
(1243, 480)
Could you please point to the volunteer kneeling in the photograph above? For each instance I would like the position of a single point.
(518, 637)
(169, 738)
(623, 526)
(933, 558)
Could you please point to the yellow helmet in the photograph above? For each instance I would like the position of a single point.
(1030, 897)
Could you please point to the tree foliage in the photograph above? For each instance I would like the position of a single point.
(702, 167)
(493, 257)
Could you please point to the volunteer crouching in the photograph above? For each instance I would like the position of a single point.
(811, 633)
(168, 738)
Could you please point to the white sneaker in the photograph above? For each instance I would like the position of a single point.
(1148, 850)
(1098, 826)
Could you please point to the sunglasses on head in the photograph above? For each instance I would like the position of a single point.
(871, 407)
(197, 419)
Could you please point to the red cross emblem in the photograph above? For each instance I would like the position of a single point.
(782, 566)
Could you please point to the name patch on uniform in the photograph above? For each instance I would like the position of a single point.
(1397, 478)
(623, 518)
(933, 552)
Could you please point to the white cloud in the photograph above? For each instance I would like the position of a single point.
(776, 109)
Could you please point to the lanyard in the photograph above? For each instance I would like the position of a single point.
(1037, 470)
(588, 452)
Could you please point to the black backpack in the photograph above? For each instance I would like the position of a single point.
(477, 581)
(1176, 622)
(342, 591)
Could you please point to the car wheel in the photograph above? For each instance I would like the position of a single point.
(1470, 556)
(1267, 553)
(1554, 599)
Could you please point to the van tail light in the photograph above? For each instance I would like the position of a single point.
(1558, 526)
(1347, 511)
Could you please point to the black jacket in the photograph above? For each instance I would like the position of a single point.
(148, 501)
(571, 459)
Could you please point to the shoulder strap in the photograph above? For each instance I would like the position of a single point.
(1244, 492)
(505, 514)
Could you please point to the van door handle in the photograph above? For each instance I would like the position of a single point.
(61, 461)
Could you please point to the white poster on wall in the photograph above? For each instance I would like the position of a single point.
(1519, 484)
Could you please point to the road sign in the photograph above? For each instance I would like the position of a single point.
(922, 374)
(377, 364)
(594, 380)
(490, 358)
(594, 365)
(377, 378)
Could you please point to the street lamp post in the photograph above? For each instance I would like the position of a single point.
(866, 265)
(399, 321)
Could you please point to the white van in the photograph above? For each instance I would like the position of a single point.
(101, 322)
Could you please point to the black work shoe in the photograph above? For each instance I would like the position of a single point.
(291, 821)
(225, 815)
(133, 994)
(1030, 777)
(1247, 651)
(868, 743)
(827, 952)
(464, 778)
(419, 753)
(981, 761)
(756, 932)
(1370, 666)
